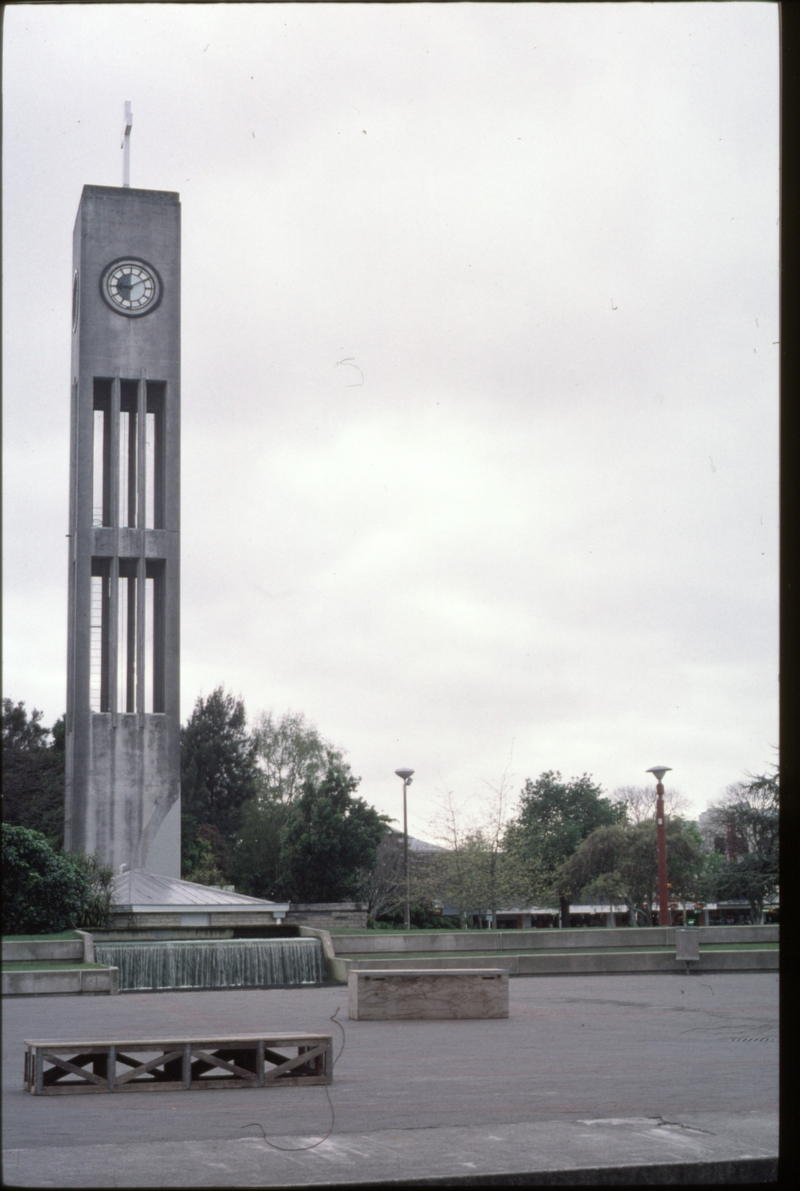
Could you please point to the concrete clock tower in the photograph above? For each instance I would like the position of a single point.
(123, 726)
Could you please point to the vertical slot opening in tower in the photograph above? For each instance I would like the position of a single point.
(128, 453)
(101, 452)
(154, 455)
(126, 635)
(154, 669)
(99, 690)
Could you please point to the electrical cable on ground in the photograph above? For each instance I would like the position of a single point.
(313, 1146)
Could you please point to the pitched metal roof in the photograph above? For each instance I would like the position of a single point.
(142, 889)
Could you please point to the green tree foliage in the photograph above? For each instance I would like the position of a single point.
(208, 858)
(271, 812)
(748, 822)
(218, 774)
(554, 818)
(330, 839)
(33, 772)
(619, 864)
(686, 868)
(289, 752)
(475, 872)
(100, 881)
(257, 864)
(470, 876)
(385, 887)
(43, 890)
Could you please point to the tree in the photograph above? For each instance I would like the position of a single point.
(554, 818)
(687, 866)
(503, 877)
(208, 856)
(459, 871)
(257, 863)
(218, 770)
(43, 890)
(640, 802)
(289, 751)
(750, 878)
(385, 887)
(33, 772)
(619, 863)
(746, 823)
(331, 839)
(474, 872)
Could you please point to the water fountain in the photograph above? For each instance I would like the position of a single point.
(214, 963)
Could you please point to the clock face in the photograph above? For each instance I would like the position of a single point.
(131, 287)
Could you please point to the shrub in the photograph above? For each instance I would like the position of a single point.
(43, 890)
(422, 918)
(100, 878)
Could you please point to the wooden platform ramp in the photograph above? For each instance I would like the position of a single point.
(56, 1067)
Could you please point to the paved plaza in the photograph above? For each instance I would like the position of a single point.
(588, 1072)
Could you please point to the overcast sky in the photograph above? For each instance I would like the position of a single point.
(480, 374)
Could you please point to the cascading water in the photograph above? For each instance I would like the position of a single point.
(212, 963)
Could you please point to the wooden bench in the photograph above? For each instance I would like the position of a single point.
(178, 1064)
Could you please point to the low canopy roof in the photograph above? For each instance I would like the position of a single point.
(137, 888)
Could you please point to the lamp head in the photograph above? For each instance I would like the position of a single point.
(405, 774)
(659, 771)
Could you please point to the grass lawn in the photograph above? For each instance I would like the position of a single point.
(739, 946)
(64, 934)
(393, 932)
(492, 955)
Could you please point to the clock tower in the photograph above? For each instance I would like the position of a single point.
(123, 725)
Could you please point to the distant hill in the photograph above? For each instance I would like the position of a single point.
(417, 845)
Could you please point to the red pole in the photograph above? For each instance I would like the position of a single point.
(661, 839)
(407, 906)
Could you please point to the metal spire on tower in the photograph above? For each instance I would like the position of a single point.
(126, 144)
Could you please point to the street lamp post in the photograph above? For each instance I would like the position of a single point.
(405, 774)
(661, 840)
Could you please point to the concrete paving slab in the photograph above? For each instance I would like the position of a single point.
(690, 1065)
(591, 1146)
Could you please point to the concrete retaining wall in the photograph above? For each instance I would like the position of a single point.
(324, 915)
(50, 950)
(738, 934)
(566, 963)
(128, 921)
(55, 950)
(336, 968)
(54, 981)
(152, 934)
(386, 942)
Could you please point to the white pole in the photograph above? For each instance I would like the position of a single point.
(126, 144)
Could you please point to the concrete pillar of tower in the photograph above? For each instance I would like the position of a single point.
(123, 727)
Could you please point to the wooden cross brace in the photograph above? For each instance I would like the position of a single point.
(284, 1065)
